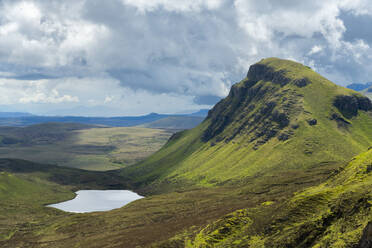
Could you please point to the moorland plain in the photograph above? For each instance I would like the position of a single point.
(81, 146)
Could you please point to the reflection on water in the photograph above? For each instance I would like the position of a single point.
(97, 200)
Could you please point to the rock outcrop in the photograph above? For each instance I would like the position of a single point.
(350, 105)
(366, 240)
(263, 72)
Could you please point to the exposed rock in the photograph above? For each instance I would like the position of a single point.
(349, 105)
(259, 72)
(284, 136)
(175, 136)
(312, 122)
(341, 122)
(281, 118)
(366, 240)
(302, 82)
(295, 126)
(364, 103)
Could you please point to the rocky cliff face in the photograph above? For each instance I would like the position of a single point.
(366, 240)
(259, 107)
(350, 105)
(263, 72)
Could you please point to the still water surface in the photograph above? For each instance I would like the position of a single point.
(97, 200)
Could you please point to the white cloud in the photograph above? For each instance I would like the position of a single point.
(21, 91)
(167, 50)
(32, 35)
(52, 97)
(315, 49)
(108, 99)
(174, 5)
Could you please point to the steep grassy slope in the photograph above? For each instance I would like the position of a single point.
(283, 117)
(336, 213)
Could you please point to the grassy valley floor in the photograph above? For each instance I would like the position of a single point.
(164, 220)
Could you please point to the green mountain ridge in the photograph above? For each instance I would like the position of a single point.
(283, 117)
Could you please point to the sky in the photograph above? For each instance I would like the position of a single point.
(133, 57)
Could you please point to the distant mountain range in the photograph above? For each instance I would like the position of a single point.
(14, 114)
(365, 88)
(359, 86)
(172, 120)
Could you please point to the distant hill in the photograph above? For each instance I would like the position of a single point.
(21, 119)
(176, 122)
(368, 92)
(14, 114)
(359, 86)
(201, 113)
(44, 133)
(365, 88)
(124, 121)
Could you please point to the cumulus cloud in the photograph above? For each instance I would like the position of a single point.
(53, 97)
(108, 99)
(315, 49)
(179, 51)
(42, 91)
(174, 5)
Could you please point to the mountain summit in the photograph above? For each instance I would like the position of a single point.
(282, 117)
(278, 97)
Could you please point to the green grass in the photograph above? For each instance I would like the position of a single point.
(22, 201)
(26, 187)
(154, 220)
(332, 214)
